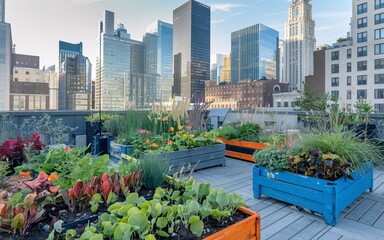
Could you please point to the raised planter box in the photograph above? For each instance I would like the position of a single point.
(199, 158)
(247, 229)
(117, 149)
(329, 198)
(241, 149)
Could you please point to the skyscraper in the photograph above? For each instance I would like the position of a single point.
(112, 66)
(300, 42)
(2, 10)
(254, 53)
(74, 77)
(164, 58)
(226, 73)
(5, 59)
(191, 49)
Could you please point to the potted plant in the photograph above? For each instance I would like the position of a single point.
(241, 140)
(94, 128)
(325, 173)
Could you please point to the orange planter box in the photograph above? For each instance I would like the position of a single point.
(242, 144)
(247, 229)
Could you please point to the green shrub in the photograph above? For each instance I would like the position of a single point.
(153, 171)
(273, 158)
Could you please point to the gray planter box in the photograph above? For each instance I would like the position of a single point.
(117, 149)
(199, 158)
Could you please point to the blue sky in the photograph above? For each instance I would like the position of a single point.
(38, 25)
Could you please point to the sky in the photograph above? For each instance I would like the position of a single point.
(38, 25)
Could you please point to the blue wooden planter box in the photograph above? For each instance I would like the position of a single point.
(199, 158)
(117, 149)
(329, 198)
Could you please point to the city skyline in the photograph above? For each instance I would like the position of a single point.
(45, 30)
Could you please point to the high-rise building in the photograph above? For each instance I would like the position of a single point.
(113, 60)
(354, 67)
(29, 89)
(52, 78)
(254, 53)
(217, 68)
(5, 59)
(300, 42)
(2, 10)
(226, 73)
(74, 77)
(164, 58)
(191, 49)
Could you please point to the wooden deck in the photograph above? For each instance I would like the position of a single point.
(363, 219)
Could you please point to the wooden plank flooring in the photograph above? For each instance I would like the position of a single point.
(363, 219)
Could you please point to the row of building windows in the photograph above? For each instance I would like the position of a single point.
(361, 80)
(362, 8)
(363, 22)
(361, 94)
(362, 51)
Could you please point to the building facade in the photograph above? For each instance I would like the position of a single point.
(2, 10)
(29, 89)
(355, 70)
(300, 42)
(191, 49)
(5, 59)
(254, 53)
(226, 73)
(52, 78)
(163, 58)
(217, 68)
(245, 95)
(112, 66)
(74, 77)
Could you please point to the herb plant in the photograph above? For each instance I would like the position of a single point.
(273, 158)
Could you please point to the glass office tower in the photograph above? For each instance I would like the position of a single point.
(112, 66)
(254, 53)
(164, 58)
(74, 77)
(191, 49)
(5, 59)
(2, 10)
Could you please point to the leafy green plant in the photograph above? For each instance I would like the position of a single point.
(273, 158)
(245, 131)
(343, 143)
(319, 165)
(364, 109)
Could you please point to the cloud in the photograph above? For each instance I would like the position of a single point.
(82, 2)
(217, 21)
(225, 7)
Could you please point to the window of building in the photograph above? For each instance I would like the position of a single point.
(16, 79)
(335, 82)
(362, 22)
(349, 67)
(349, 81)
(362, 80)
(379, 63)
(379, 33)
(379, 4)
(335, 68)
(349, 53)
(335, 55)
(362, 8)
(379, 18)
(379, 93)
(27, 72)
(16, 71)
(361, 94)
(335, 94)
(379, 78)
(349, 94)
(379, 48)
(286, 104)
(361, 65)
(362, 51)
(379, 108)
(362, 37)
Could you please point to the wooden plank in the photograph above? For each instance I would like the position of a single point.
(242, 156)
(310, 231)
(272, 209)
(279, 225)
(354, 230)
(292, 229)
(360, 210)
(378, 181)
(330, 236)
(271, 219)
(379, 222)
(373, 214)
